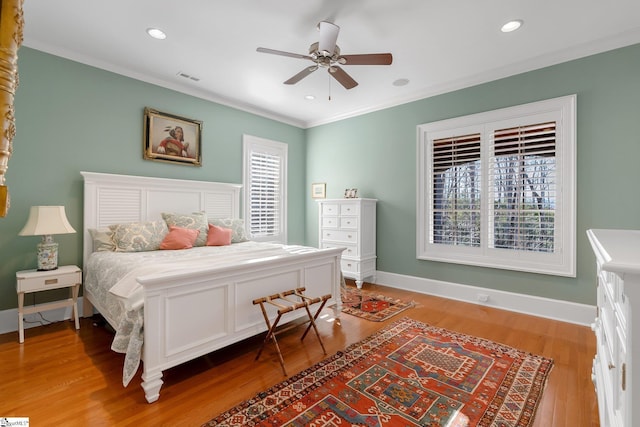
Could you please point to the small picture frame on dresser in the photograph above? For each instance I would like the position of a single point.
(350, 193)
(319, 190)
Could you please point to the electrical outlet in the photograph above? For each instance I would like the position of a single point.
(483, 297)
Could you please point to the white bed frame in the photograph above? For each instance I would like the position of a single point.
(193, 313)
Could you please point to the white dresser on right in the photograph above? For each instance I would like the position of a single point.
(350, 223)
(617, 326)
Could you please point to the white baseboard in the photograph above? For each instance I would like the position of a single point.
(565, 311)
(9, 318)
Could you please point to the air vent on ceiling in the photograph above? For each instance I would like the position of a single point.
(188, 76)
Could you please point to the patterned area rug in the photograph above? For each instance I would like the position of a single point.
(369, 305)
(407, 374)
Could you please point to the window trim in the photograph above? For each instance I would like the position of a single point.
(562, 261)
(255, 144)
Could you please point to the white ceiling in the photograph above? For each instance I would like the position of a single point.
(438, 45)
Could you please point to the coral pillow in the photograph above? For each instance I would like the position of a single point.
(219, 236)
(179, 238)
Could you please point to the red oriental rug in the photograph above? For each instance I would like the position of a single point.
(407, 374)
(370, 305)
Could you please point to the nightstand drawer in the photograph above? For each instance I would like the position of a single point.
(31, 283)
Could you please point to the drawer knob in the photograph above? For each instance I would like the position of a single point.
(50, 281)
(349, 236)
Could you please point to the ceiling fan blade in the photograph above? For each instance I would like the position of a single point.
(328, 37)
(366, 59)
(301, 75)
(342, 77)
(279, 52)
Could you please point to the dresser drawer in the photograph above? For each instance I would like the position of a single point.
(349, 250)
(620, 300)
(340, 236)
(349, 266)
(30, 284)
(349, 209)
(349, 223)
(329, 209)
(330, 222)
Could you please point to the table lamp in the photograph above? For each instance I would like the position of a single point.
(45, 221)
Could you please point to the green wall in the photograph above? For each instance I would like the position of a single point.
(71, 117)
(376, 153)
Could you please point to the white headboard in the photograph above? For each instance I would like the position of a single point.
(112, 199)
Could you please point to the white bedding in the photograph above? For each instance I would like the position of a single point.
(112, 278)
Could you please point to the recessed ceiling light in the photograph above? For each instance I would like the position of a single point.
(401, 82)
(511, 26)
(156, 33)
(309, 97)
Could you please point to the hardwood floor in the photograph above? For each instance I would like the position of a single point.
(60, 376)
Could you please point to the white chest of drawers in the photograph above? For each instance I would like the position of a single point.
(351, 224)
(616, 373)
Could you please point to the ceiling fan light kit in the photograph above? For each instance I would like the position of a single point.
(325, 53)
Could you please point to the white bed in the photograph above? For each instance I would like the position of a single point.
(194, 309)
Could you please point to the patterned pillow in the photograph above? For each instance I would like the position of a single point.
(194, 221)
(139, 236)
(102, 240)
(236, 224)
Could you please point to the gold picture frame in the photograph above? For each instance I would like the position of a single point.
(319, 190)
(170, 138)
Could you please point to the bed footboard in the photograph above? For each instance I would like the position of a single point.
(190, 314)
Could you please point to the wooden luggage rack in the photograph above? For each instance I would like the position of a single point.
(286, 304)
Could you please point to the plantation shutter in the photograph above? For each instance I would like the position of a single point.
(522, 180)
(456, 190)
(265, 197)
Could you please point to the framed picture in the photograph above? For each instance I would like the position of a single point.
(170, 138)
(350, 193)
(319, 190)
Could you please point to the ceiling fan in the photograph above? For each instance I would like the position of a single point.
(325, 53)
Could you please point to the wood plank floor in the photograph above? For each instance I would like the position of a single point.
(60, 376)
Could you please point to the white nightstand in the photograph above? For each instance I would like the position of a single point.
(68, 276)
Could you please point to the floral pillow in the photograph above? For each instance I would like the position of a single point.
(194, 221)
(138, 236)
(237, 225)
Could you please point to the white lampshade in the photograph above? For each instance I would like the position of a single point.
(44, 220)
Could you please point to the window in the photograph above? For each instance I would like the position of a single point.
(497, 189)
(265, 185)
